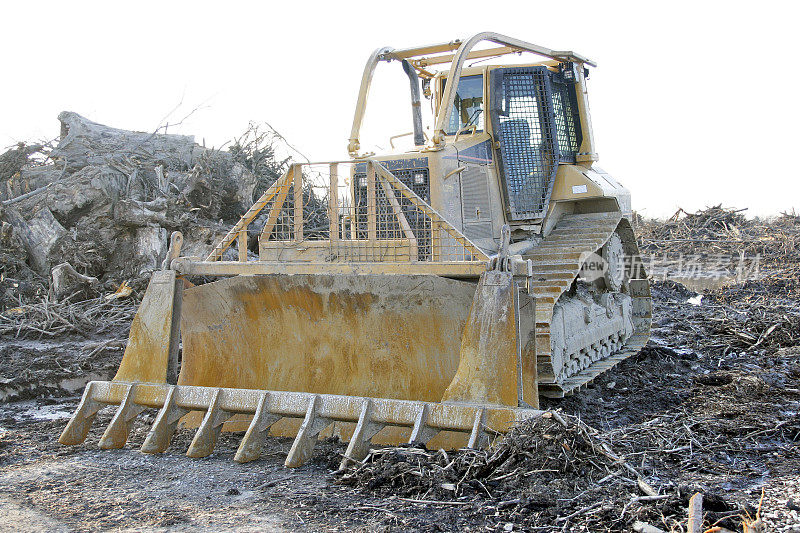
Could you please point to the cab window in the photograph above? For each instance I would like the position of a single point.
(468, 105)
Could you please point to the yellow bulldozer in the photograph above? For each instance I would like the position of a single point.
(429, 296)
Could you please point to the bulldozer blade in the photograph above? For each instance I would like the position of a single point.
(316, 411)
(152, 351)
(370, 358)
(489, 371)
(378, 336)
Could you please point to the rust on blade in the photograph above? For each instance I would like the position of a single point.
(489, 356)
(371, 335)
(153, 338)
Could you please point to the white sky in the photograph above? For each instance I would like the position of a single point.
(693, 103)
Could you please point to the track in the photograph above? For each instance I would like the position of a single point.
(556, 263)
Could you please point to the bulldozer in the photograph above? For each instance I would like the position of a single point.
(429, 295)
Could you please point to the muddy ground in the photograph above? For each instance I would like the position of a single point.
(688, 413)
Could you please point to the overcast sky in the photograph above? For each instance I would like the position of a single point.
(693, 103)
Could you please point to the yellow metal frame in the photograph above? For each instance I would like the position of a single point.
(316, 411)
(304, 263)
(456, 53)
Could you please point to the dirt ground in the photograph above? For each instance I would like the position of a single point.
(688, 413)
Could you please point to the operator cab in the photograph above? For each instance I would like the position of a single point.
(534, 125)
(510, 144)
(468, 106)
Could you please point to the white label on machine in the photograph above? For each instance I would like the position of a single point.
(578, 189)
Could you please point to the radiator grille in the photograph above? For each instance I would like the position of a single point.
(414, 174)
(476, 206)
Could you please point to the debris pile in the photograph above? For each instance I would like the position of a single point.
(83, 223)
(554, 471)
(538, 453)
(764, 253)
(757, 314)
(48, 319)
(719, 230)
(100, 204)
(734, 319)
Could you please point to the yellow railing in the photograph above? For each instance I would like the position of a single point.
(316, 213)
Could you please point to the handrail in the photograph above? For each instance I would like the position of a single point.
(401, 219)
(250, 215)
(366, 80)
(399, 135)
(473, 127)
(394, 191)
(437, 220)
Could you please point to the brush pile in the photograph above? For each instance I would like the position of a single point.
(83, 223)
(47, 318)
(101, 202)
(553, 471)
(540, 452)
(93, 211)
(737, 320)
(758, 313)
(722, 242)
(718, 230)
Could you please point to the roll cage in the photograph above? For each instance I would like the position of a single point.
(456, 53)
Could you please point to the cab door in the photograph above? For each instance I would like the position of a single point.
(524, 126)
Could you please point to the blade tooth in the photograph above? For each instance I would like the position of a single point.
(421, 432)
(80, 423)
(478, 436)
(358, 447)
(160, 435)
(206, 436)
(306, 439)
(116, 434)
(256, 435)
